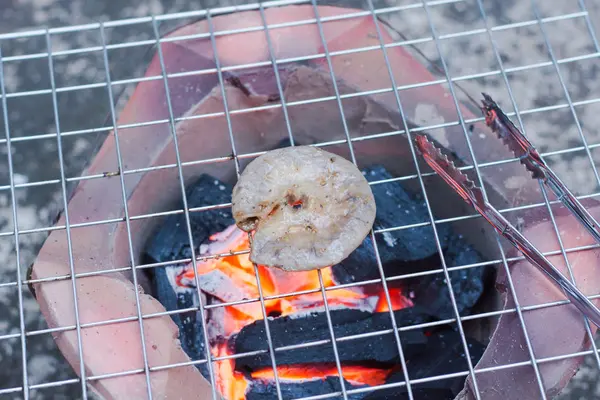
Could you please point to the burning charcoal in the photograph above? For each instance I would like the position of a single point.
(261, 390)
(294, 330)
(395, 207)
(402, 252)
(445, 355)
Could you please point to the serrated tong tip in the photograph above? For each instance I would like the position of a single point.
(512, 137)
(446, 168)
(499, 122)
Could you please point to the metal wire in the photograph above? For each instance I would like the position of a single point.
(505, 264)
(171, 121)
(237, 171)
(113, 116)
(15, 216)
(185, 207)
(82, 371)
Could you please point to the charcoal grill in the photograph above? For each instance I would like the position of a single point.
(137, 219)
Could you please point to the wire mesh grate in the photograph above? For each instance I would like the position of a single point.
(431, 38)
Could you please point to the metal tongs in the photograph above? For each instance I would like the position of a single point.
(530, 158)
(472, 194)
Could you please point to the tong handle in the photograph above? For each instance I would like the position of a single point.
(535, 257)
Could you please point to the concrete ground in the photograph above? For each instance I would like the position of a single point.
(37, 160)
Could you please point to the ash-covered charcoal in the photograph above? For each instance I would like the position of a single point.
(294, 330)
(395, 207)
(261, 390)
(170, 242)
(445, 355)
(191, 334)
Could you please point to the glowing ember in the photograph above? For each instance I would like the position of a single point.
(397, 299)
(276, 286)
(299, 373)
(231, 384)
(273, 283)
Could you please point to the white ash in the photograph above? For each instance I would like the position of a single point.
(215, 321)
(389, 239)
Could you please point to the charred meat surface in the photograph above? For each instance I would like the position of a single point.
(307, 208)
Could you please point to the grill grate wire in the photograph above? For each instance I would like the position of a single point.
(375, 13)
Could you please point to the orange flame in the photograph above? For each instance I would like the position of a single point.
(231, 384)
(397, 299)
(240, 270)
(306, 372)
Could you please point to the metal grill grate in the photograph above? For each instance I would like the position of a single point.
(433, 38)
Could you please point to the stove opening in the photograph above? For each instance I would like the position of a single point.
(300, 324)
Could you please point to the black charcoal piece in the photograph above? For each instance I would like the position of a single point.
(260, 390)
(294, 330)
(414, 250)
(395, 207)
(400, 393)
(432, 290)
(445, 355)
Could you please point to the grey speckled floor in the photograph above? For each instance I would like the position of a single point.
(37, 160)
